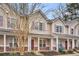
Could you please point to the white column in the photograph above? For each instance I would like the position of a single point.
(51, 44)
(4, 42)
(38, 44)
(29, 43)
(77, 43)
(68, 44)
(57, 43)
(73, 44)
(13, 42)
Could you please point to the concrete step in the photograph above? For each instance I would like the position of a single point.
(38, 53)
(74, 52)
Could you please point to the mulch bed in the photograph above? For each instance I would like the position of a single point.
(50, 53)
(18, 54)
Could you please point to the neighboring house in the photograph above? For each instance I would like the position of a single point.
(8, 20)
(51, 35)
(44, 34)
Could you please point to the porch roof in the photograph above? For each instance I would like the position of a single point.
(66, 36)
(41, 35)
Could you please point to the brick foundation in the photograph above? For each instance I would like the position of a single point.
(1, 49)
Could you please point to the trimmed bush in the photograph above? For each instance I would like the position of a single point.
(70, 51)
(50, 53)
(30, 54)
(63, 52)
(9, 54)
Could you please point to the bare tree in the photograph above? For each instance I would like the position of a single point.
(59, 13)
(23, 24)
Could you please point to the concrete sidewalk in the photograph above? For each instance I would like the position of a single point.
(77, 54)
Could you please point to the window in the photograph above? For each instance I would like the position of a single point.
(78, 31)
(71, 31)
(42, 43)
(11, 22)
(34, 25)
(10, 44)
(38, 26)
(13, 43)
(1, 21)
(41, 26)
(58, 28)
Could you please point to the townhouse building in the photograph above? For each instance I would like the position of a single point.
(44, 34)
(52, 35)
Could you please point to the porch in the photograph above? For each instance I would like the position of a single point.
(65, 43)
(9, 43)
(39, 44)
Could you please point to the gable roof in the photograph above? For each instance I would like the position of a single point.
(41, 12)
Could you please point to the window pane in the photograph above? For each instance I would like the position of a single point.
(44, 45)
(71, 31)
(10, 44)
(58, 28)
(40, 26)
(78, 32)
(36, 25)
(8, 22)
(15, 45)
(11, 23)
(40, 45)
(33, 24)
(1, 20)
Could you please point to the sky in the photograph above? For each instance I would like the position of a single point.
(50, 6)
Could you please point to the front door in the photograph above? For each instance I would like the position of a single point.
(65, 44)
(32, 44)
(70, 44)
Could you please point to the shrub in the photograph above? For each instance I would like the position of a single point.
(70, 51)
(9, 54)
(30, 54)
(63, 52)
(49, 53)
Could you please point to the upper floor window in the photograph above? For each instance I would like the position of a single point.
(1, 21)
(72, 31)
(11, 22)
(41, 26)
(59, 29)
(78, 32)
(38, 26)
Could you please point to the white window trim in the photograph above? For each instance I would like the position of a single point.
(43, 43)
(10, 22)
(3, 22)
(59, 32)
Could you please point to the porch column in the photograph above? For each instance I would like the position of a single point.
(4, 42)
(13, 41)
(57, 44)
(67, 44)
(73, 45)
(29, 43)
(51, 44)
(38, 44)
(77, 43)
